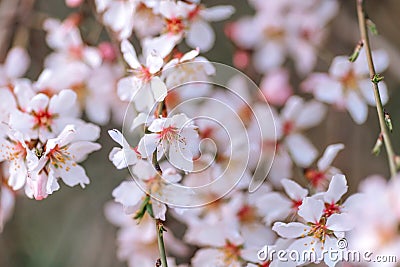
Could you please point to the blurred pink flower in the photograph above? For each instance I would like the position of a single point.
(73, 3)
(276, 87)
(348, 84)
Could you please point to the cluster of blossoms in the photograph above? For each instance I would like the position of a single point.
(172, 148)
(42, 137)
(197, 162)
(282, 29)
(91, 72)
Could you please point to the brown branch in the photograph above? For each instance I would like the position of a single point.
(21, 36)
(379, 106)
(8, 16)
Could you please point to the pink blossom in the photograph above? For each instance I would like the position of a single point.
(276, 88)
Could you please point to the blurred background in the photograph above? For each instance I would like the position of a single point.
(69, 228)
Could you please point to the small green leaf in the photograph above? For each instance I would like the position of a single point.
(388, 121)
(354, 56)
(142, 209)
(149, 209)
(377, 78)
(378, 145)
(372, 27)
(356, 52)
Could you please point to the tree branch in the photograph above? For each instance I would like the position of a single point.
(379, 106)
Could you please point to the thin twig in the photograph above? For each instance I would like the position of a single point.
(379, 106)
(160, 239)
(161, 110)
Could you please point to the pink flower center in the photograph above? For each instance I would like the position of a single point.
(175, 25)
(206, 132)
(59, 156)
(76, 52)
(315, 177)
(247, 214)
(274, 33)
(319, 231)
(231, 253)
(331, 209)
(296, 204)
(306, 34)
(169, 133)
(43, 118)
(350, 80)
(144, 74)
(288, 127)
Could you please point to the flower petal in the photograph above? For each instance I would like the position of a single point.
(154, 62)
(180, 157)
(39, 103)
(290, 230)
(273, 206)
(79, 150)
(159, 209)
(217, 13)
(294, 190)
(63, 102)
(128, 194)
(158, 88)
(337, 188)
(117, 136)
(17, 62)
(147, 145)
(357, 107)
(302, 151)
(340, 66)
(311, 114)
(311, 210)
(128, 88)
(268, 57)
(340, 222)
(129, 54)
(329, 155)
(163, 44)
(72, 174)
(200, 35)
